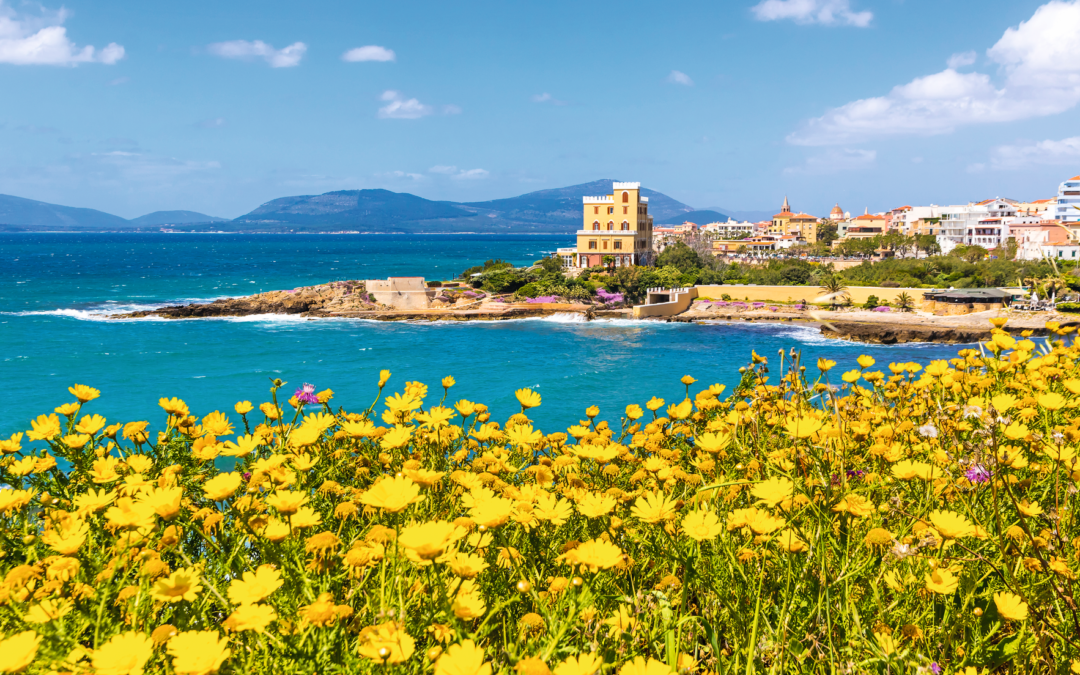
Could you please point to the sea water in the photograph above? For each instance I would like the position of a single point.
(58, 292)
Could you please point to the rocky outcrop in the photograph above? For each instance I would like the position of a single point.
(891, 334)
(322, 300)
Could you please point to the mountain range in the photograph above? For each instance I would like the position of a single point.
(554, 210)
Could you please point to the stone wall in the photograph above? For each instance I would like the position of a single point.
(401, 292)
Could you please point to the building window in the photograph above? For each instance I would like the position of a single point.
(625, 225)
(611, 209)
(596, 209)
(592, 245)
(624, 210)
(625, 197)
(596, 225)
(618, 245)
(610, 225)
(605, 244)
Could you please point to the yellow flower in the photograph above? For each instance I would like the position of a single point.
(429, 540)
(124, 654)
(856, 505)
(392, 494)
(1016, 431)
(76, 441)
(466, 565)
(790, 542)
(1051, 401)
(287, 502)
(951, 525)
(523, 434)
(802, 427)
(825, 365)
(243, 407)
(639, 666)
(174, 407)
(655, 404)
(773, 491)
(386, 643)
(198, 652)
(84, 393)
(702, 525)
(183, 584)
(250, 617)
(466, 408)
(469, 602)
(865, 361)
(1003, 402)
(527, 398)
(595, 554)
(395, 438)
(384, 377)
(942, 581)
(48, 610)
(464, 658)
(217, 424)
(492, 512)
(1011, 606)
(680, 411)
(255, 586)
(1030, 509)
(164, 501)
(595, 505)
(653, 508)
(222, 486)
(44, 428)
(130, 515)
(305, 516)
(585, 663)
(18, 651)
(553, 510)
(633, 412)
(851, 376)
(592, 411)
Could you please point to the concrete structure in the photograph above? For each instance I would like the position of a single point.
(1067, 208)
(660, 302)
(808, 294)
(616, 225)
(968, 300)
(401, 292)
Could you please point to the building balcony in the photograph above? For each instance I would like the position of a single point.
(625, 233)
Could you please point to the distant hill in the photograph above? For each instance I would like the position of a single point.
(752, 216)
(28, 213)
(351, 209)
(173, 218)
(562, 206)
(699, 217)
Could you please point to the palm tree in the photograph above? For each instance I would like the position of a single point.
(904, 302)
(834, 289)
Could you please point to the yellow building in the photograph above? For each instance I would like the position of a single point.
(802, 226)
(616, 225)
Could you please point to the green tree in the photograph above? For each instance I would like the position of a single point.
(826, 232)
(833, 286)
(904, 302)
(680, 256)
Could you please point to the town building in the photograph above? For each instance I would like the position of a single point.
(616, 225)
(729, 229)
(837, 214)
(802, 226)
(1067, 208)
(865, 226)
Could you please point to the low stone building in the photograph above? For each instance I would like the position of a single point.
(967, 300)
(401, 292)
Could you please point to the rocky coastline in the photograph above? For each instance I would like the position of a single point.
(350, 299)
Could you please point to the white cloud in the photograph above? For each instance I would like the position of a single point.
(1039, 63)
(42, 41)
(1041, 153)
(962, 59)
(401, 174)
(400, 108)
(459, 174)
(679, 77)
(547, 98)
(835, 161)
(286, 57)
(369, 53)
(215, 123)
(825, 12)
(451, 109)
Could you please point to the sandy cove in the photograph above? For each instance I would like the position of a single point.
(348, 299)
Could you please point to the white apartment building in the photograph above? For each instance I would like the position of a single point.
(729, 229)
(981, 224)
(1067, 209)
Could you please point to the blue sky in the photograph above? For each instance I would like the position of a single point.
(220, 106)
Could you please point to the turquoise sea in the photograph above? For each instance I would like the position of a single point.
(57, 292)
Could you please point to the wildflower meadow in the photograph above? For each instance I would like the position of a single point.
(900, 518)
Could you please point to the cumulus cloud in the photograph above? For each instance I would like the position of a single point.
(459, 174)
(286, 57)
(835, 161)
(679, 77)
(28, 40)
(400, 108)
(825, 12)
(962, 59)
(1039, 75)
(369, 53)
(1041, 153)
